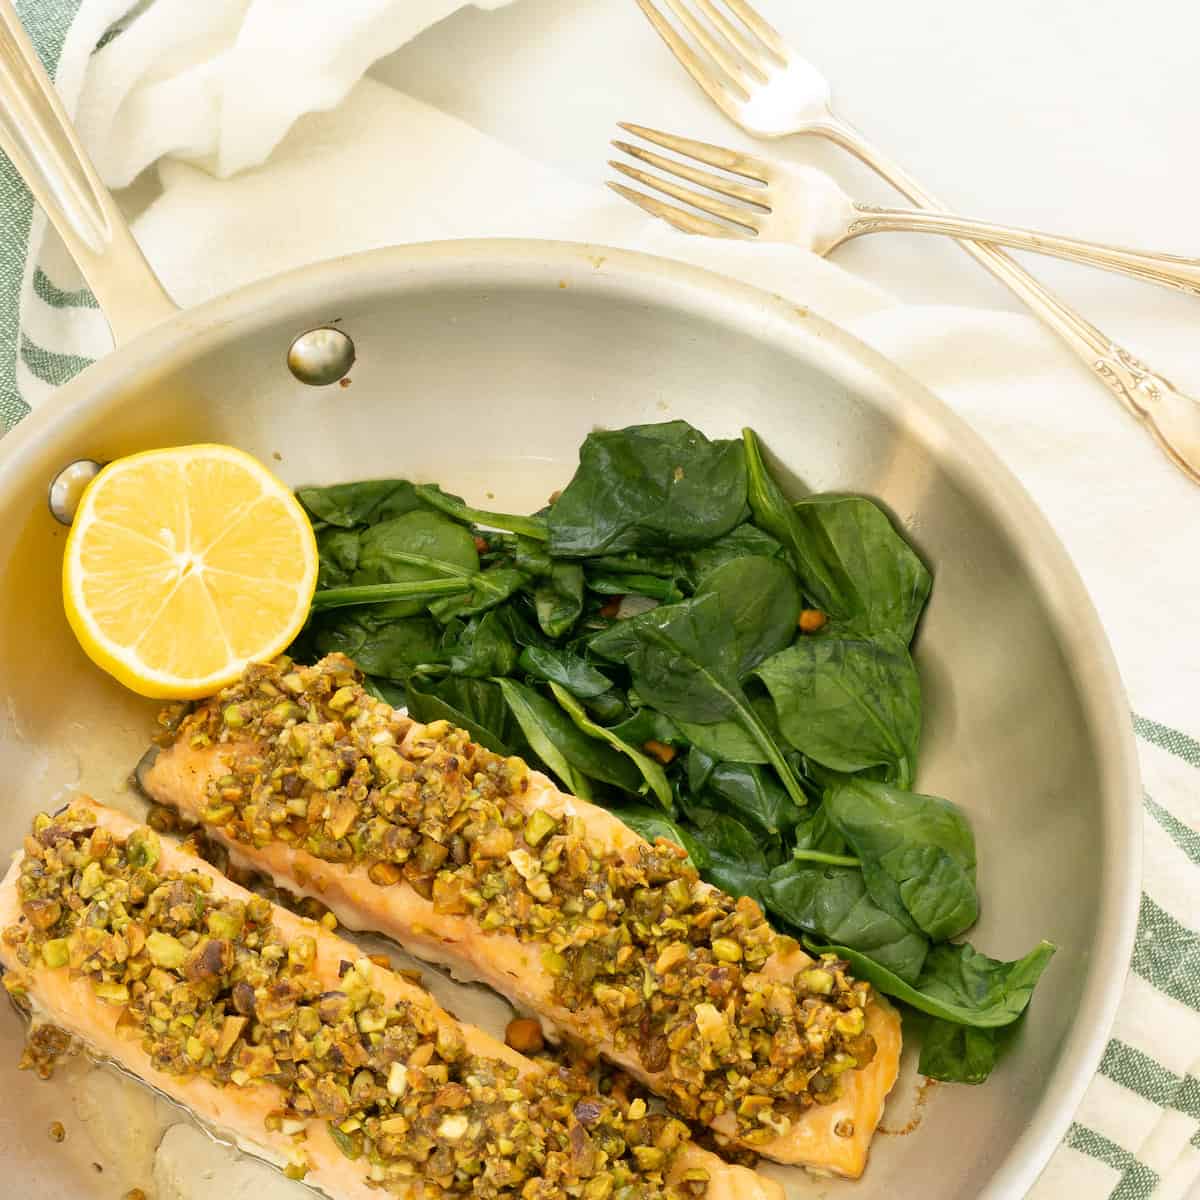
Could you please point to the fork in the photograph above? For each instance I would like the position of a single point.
(760, 83)
(806, 207)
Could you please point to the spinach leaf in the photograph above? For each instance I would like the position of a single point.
(558, 587)
(956, 974)
(770, 508)
(481, 648)
(743, 541)
(519, 617)
(349, 504)
(653, 586)
(651, 824)
(917, 852)
(736, 877)
(736, 863)
(958, 983)
(651, 770)
(699, 768)
(475, 705)
(960, 1053)
(558, 599)
(418, 546)
(726, 740)
(853, 563)
(337, 555)
(392, 600)
(609, 707)
(532, 556)
(814, 833)
(857, 568)
(488, 589)
(825, 858)
(564, 667)
(747, 791)
(649, 725)
(665, 566)
(849, 703)
(649, 487)
(571, 754)
(385, 690)
(724, 836)
(452, 506)
(533, 727)
(689, 659)
(832, 902)
(391, 649)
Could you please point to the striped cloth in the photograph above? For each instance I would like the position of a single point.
(23, 365)
(1137, 1133)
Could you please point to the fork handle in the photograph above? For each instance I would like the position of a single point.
(1170, 270)
(1171, 416)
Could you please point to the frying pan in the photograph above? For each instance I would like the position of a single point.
(483, 365)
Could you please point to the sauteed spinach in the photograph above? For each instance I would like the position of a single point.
(673, 638)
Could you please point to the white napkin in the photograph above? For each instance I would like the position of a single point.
(383, 168)
(220, 82)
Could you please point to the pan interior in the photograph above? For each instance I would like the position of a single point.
(485, 376)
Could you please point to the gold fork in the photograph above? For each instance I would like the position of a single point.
(763, 85)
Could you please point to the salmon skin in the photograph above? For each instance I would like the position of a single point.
(478, 863)
(279, 1036)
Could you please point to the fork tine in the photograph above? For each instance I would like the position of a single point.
(746, 165)
(736, 37)
(706, 179)
(731, 64)
(767, 34)
(688, 222)
(706, 204)
(690, 61)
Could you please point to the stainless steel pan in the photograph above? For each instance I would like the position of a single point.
(483, 365)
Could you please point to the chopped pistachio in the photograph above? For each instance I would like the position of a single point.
(539, 827)
(143, 848)
(816, 980)
(673, 954)
(727, 950)
(224, 924)
(553, 961)
(56, 952)
(350, 1146)
(635, 938)
(165, 951)
(91, 881)
(453, 1127)
(851, 1023)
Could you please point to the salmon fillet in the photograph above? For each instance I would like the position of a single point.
(302, 775)
(178, 1023)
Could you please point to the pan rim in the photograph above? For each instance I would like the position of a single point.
(974, 466)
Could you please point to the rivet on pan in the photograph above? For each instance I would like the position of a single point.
(321, 356)
(67, 486)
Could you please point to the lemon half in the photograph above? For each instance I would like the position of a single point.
(185, 564)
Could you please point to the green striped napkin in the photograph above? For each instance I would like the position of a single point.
(49, 22)
(1137, 1133)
